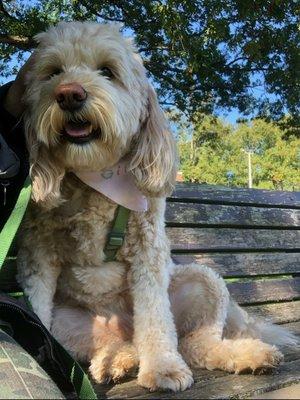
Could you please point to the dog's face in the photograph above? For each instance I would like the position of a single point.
(89, 104)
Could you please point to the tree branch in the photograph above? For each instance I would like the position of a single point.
(21, 42)
(236, 60)
(98, 14)
(153, 48)
(106, 18)
(6, 13)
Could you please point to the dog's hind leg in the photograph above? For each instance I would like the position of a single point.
(200, 303)
(204, 348)
(103, 340)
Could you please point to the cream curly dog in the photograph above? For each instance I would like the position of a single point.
(89, 105)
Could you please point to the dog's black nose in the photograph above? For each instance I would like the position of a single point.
(70, 96)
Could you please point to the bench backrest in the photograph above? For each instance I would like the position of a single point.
(251, 237)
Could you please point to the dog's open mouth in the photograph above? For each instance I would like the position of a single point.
(80, 132)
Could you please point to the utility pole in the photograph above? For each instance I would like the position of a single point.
(192, 150)
(249, 170)
(249, 152)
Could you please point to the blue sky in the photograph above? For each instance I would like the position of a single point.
(231, 116)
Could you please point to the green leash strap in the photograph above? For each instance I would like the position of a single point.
(78, 377)
(12, 224)
(117, 233)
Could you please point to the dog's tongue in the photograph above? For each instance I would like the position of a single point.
(77, 130)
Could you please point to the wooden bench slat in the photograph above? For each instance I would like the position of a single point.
(260, 291)
(214, 214)
(238, 386)
(244, 264)
(204, 378)
(213, 385)
(295, 328)
(286, 392)
(277, 312)
(292, 353)
(205, 239)
(226, 195)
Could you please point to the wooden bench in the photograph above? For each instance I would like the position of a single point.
(252, 238)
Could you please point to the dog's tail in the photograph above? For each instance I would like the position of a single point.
(240, 324)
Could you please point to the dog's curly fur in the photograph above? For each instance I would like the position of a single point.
(141, 310)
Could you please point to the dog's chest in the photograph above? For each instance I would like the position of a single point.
(87, 230)
(74, 235)
(77, 230)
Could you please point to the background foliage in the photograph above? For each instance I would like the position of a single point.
(203, 56)
(216, 154)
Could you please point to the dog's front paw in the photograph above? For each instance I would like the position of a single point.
(165, 373)
(114, 363)
(124, 363)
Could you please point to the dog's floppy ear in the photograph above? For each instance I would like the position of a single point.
(154, 157)
(46, 175)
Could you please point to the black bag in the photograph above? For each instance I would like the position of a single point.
(24, 326)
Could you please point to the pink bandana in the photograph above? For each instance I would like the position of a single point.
(118, 185)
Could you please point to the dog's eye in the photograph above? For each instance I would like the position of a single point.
(56, 71)
(105, 71)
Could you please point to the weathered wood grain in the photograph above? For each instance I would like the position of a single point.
(203, 239)
(225, 195)
(221, 215)
(259, 291)
(244, 264)
(248, 384)
(213, 386)
(287, 392)
(240, 386)
(276, 312)
(292, 353)
(293, 327)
